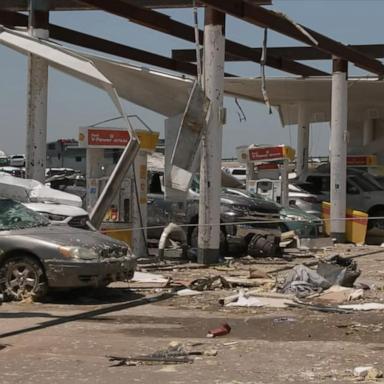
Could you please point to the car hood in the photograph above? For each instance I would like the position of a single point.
(291, 211)
(57, 209)
(254, 204)
(68, 236)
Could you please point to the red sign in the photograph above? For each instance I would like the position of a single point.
(266, 166)
(108, 137)
(360, 160)
(266, 153)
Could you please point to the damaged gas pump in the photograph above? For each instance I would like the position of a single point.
(107, 149)
(267, 170)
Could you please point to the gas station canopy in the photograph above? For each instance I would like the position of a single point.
(365, 96)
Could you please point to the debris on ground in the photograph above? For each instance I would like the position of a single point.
(264, 245)
(367, 373)
(303, 281)
(249, 299)
(338, 295)
(176, 353)
(223, 330)
(210, 283)
(363, 306)
(188, 292)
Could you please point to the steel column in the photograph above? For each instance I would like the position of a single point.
(368, 131)
(302, 148)
(211, 149)
(338, 148)
(36, 146)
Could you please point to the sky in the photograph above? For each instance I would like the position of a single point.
(73, 104)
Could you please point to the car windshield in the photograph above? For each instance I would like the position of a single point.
(16, 216)
(366, 184)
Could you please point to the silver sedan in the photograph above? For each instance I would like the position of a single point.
(36, 256)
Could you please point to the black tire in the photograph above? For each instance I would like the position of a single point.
(192, 240)
(22, 277)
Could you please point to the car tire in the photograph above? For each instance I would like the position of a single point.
(22, 277)
(193, 242)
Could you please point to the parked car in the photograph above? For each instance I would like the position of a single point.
(36, 256)
(304, 200)
(238, 208)
(17, 161)
(239, 173)
(61, 214)
(59, 207)
(291, 218)
(364, 193)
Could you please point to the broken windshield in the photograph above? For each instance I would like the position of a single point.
(16, 216)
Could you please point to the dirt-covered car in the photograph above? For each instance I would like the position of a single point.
(36, 256)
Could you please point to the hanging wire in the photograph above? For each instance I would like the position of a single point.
(241, 114)
(197, 43)
(263, 62)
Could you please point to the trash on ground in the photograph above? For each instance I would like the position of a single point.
(188, 292)
(144, 277)
(303, 281)
(245, 301)
(256, 299)
(363, 306)
(338, 295)
(368, 373)
(284, 319)
(257, 274)
(174, 354)
(339, 271)
(223, 330)
(210, 283)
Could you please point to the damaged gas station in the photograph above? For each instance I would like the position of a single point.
(123, 253)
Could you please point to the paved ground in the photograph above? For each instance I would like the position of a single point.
(264, 346)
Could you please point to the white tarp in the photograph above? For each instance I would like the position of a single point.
(29, 191)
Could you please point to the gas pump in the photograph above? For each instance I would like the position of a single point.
(128, 210)
(267, 170)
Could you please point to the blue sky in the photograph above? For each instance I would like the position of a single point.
(73, 104)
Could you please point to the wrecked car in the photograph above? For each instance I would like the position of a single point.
(36, 256)
(59, 207)
(238, 209)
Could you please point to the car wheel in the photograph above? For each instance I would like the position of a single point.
(193, 240)
(22, 277)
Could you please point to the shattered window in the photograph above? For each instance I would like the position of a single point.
(16, 216)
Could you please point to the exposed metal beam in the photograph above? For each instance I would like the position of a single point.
(165, 24)
(70, 36)
(254, 14)
(289, 53)
(77, 5)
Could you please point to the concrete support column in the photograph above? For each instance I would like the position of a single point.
(139, 205)
(338, 148)
(36, 151)
(302, 151)
(251, 174)
(211, 149)
(368, 131)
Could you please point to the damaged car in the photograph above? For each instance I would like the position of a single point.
(36, 256)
